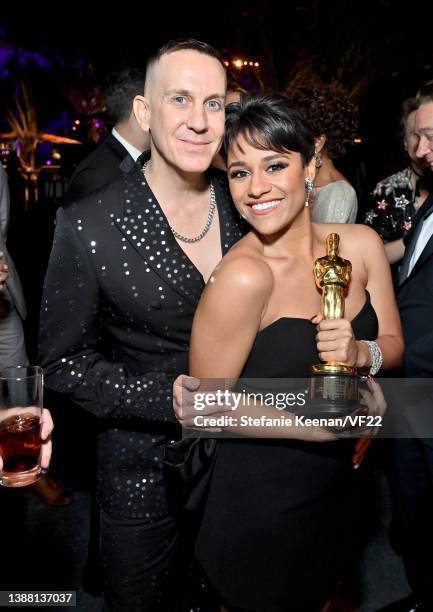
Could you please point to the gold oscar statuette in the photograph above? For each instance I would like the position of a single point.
(333, 385)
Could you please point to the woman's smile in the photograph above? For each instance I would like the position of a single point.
(264, 207)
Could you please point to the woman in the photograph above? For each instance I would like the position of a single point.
(333, 120)
(271, 532)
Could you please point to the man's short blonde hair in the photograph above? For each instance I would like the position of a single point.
(181, 44)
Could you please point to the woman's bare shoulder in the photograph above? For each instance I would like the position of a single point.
(243, 267)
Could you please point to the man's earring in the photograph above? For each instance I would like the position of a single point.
(309, 184)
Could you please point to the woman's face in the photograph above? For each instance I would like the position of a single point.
(268, 188)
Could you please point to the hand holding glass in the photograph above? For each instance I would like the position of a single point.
(21, 400)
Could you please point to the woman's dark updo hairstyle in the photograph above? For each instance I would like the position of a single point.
(267, 122)
(328, 111)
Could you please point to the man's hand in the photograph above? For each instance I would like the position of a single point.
(47, 427)
(372, 410)
(183, 402)
(375, 401)
(189, 401)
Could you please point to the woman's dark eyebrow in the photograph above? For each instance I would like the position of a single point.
(265, 159)
(275, 156)
(237, 164)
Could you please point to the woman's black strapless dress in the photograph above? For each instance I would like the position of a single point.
(277, 521)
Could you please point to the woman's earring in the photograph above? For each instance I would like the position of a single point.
(318, 160)
(309, 184)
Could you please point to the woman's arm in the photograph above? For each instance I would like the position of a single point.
(228, 317)
(225, 326)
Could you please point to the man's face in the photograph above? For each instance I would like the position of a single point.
(411, 140)
(424, 132)
(410, 136)
(186, 104)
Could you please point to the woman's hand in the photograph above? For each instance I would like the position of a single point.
(336, 341)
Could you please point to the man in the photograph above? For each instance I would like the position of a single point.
(12, 345)
(412, 459)
(397, 199)
(13, 352)
(127, 140)
(126, 272)
(105, 164)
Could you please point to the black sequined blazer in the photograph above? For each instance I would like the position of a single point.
(117, 310)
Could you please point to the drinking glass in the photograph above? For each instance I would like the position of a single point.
(21, 401)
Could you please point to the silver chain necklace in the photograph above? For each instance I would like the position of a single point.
(210, 216)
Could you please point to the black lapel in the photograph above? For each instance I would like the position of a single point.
(426, 254)
(145, 226)
(232, 227)
(116, 147)
(126, 161)
(423, 211)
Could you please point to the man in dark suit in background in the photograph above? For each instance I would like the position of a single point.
(411, 468)
(127, 140)
(127, 269)
(14, 311)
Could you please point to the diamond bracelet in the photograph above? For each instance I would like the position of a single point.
(376, 356)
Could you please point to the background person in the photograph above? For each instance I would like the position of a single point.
(125, 144)
(333, 119)
(411, 459)
(396, 199)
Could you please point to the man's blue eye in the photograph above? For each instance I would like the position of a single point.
(214, 104)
